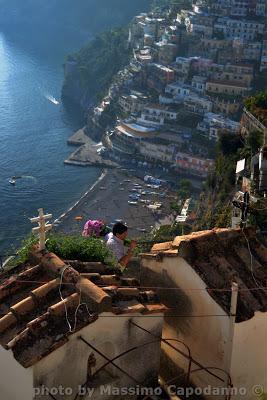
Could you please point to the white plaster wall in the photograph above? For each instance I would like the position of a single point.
(67, 366)
(16, 382)
(206, 336)
(249, 362)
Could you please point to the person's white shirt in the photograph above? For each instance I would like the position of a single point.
(115, 245)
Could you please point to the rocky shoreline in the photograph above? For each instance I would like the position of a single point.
(87, 154)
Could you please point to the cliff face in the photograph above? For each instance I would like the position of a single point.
(89, 72)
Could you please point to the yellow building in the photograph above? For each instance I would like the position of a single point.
(227, 87)
(225, 106)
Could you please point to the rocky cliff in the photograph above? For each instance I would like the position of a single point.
(89, 72)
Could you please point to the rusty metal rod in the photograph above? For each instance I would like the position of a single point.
(110, 361)
(181, 352)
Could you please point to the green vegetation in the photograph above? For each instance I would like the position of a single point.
(185, 189)
(166, 233)
(257, 105)
(173, 5)
(97, 63)
(183, 193)
(24, 250)
(76, 247)
(69, 247)
(214, 208)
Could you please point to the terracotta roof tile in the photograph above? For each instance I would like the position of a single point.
(155, 308)
(171, 252)
(221, 256)
(7, 321)
(45, 289)
(11, 285)
(60, 307)
(132, 292)
(93, 276)
(109, 280)
(23, 307)
(96, 297)
(34, 322)
(128, 307)
(162, 246)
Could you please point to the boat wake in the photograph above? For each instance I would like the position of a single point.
(32, 178)
(13, 179)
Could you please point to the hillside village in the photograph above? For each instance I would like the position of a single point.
(186, 83)
(185, 94)
(187, 318)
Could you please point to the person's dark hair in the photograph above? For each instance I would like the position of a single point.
(119, 228)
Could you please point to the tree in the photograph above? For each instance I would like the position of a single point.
(185, 188)
(229, 143)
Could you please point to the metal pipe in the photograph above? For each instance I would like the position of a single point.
(230, 343)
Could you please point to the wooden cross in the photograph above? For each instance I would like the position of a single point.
(42, 228)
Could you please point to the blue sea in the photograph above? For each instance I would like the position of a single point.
(35, 38)
(34, 128)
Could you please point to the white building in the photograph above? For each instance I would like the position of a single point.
(198, 104)
(133, 102)
(157, 114)
(199, 83)
(213, 124)
(263, 64)
(240, 8)
(261, 8)
(179, 91)
(221, 324)
(252, 51)
(60, 343)
(200, 24)
(237, 28)
(182, 67)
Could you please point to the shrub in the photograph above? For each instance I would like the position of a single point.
(70, 247)
(24, 251)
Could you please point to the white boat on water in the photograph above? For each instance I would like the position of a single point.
(12, 181)
(133, 203)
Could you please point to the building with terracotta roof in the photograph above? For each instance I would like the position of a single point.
(214, 283)
(61, 324)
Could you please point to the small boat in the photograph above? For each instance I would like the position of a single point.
(12, 181)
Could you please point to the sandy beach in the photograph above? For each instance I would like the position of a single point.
(108, 200)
